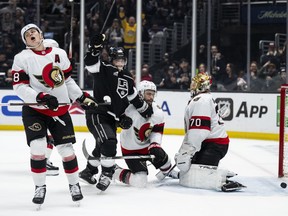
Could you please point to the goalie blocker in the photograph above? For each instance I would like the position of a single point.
(209, 177)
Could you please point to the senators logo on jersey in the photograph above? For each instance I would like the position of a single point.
(52, 76)
(143, 132)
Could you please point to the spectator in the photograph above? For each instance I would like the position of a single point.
(115, 34)
(202, 68)
(169, 81)
(268, 72)
(217, 64)
(230, 78)
(270, 56)
(57, 7)
(184, 67)
(145, 74)
(129, 27)
(255, 82)
(184, 81)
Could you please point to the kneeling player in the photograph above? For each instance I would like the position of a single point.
(205, 142)
(143, 136)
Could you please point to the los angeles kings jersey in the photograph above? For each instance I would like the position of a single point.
(108, 81)
(143, 131)
(203, 123)
(45, 71)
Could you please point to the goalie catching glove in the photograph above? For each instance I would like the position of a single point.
(96, 44)
(87, 101)
(47, 100)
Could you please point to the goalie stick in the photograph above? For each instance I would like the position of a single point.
(160, 175)
(90, 157)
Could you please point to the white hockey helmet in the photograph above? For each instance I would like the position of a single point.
(50, 43)
(27, 27)
(200, 83)
(146, 85)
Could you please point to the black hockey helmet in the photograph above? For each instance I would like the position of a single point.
(116, 53)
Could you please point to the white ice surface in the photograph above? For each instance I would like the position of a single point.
(256, 163)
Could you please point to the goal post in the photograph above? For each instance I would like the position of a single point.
(283, 133)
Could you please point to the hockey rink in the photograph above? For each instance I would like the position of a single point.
(256, 163)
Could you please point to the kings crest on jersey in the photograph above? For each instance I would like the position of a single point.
(122, 88)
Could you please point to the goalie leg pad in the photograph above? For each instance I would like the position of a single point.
(204, 177)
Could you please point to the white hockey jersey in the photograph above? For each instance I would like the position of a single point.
(45, 71)
(203, 123)
(143, 132)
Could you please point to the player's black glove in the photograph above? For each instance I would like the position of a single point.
(96, 44)
(125, 122)
(87, 101)
(47, 100)
(142, 107)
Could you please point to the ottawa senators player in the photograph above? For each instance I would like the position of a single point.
(144, 137)
(205, 142)
(43, 76)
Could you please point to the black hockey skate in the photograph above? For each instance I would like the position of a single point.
(87, 176)
(75, 192)
(104, 181)
(231, 186)
(51, 170)
(39, 196)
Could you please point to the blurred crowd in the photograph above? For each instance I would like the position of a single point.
(266, 73)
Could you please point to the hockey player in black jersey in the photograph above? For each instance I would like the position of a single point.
(114, 83)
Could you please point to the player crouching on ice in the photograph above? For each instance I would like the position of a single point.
(143, 136)
(205, 142)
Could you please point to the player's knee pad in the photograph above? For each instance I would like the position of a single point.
(138, 179)
(161, 156)
(204, 177)
(66, 151)
(38, 148)
(108, 147)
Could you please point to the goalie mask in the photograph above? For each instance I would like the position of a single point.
(143, 87)
(200, 83)
(117, 57)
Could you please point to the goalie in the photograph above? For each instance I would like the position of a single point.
(205, 143)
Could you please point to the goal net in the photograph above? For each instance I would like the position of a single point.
(283, 133)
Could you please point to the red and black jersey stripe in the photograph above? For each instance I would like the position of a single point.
(200, 122)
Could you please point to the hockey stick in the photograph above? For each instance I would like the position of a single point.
(71, 30)
(160, 175)
(37, 104)
(108, 15)
(89, 157)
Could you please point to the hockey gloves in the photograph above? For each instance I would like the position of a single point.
(87, 101)
(47, 100)
(183, 160)
(125, 122)
(96, 44)
(142, 107)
